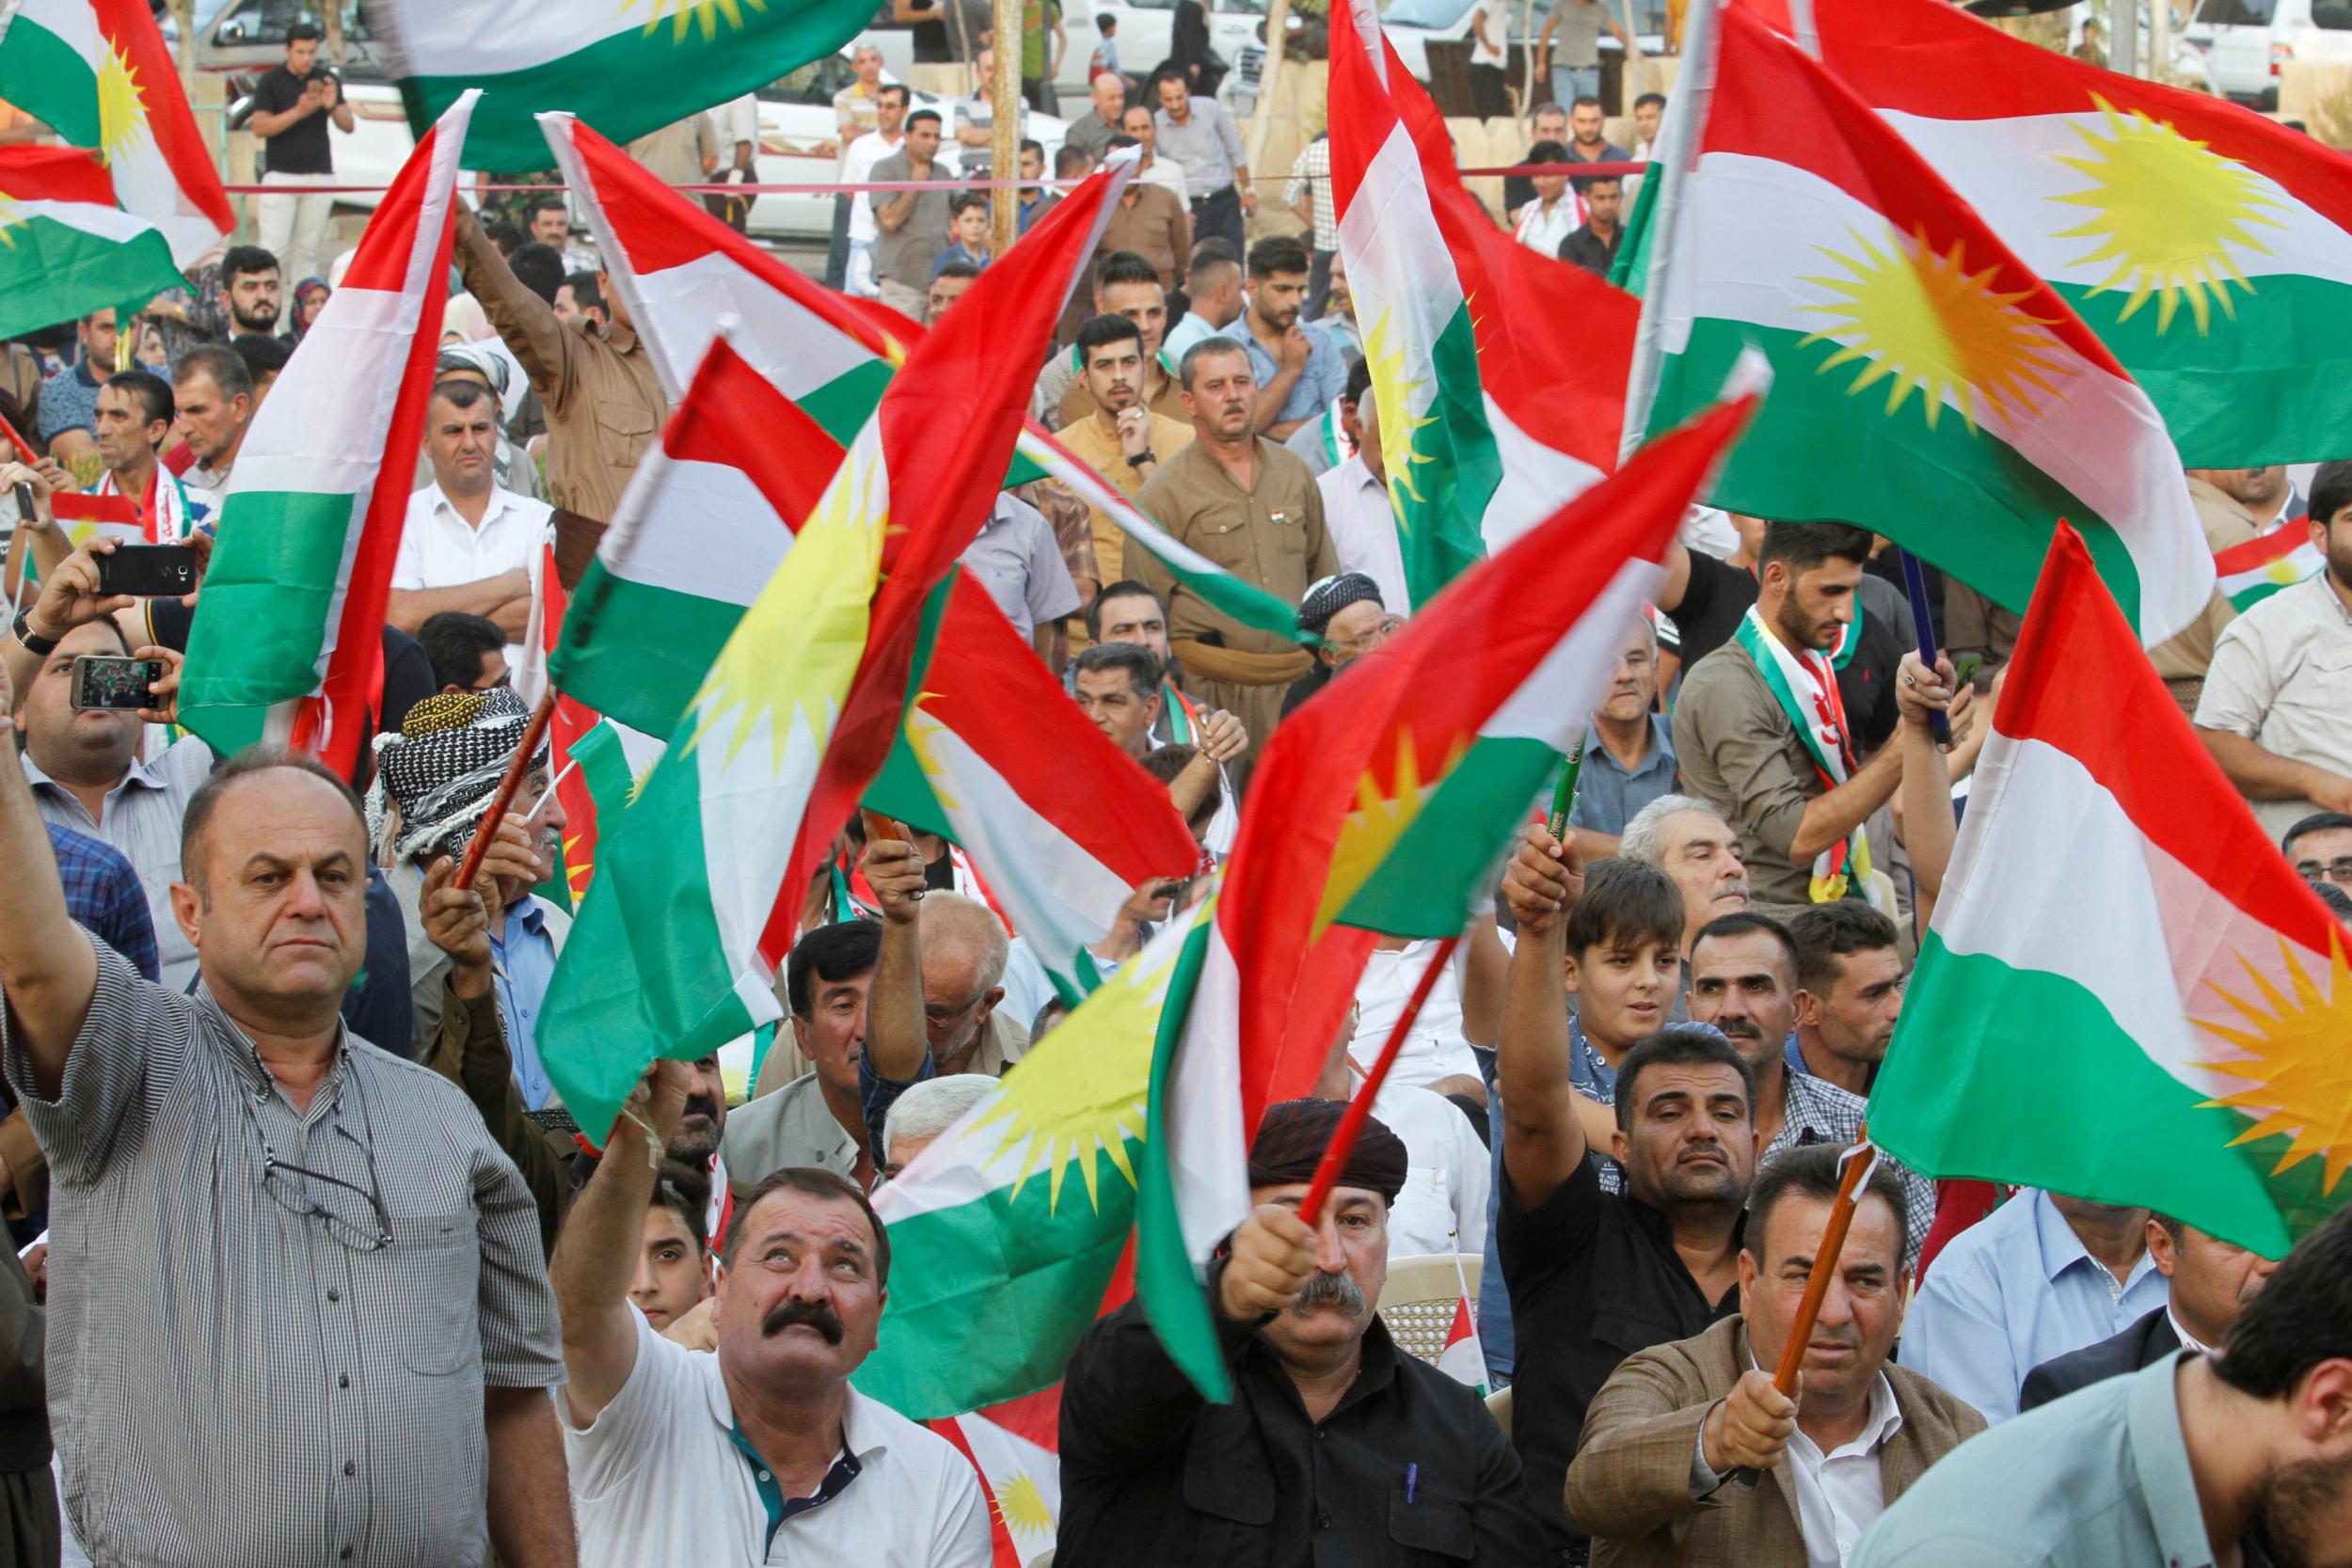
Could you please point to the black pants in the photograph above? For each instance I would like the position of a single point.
(1217, 215)
(837, 252)
(1486, 92)
(1318, 283)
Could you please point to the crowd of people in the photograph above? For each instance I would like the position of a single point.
(315, 1266)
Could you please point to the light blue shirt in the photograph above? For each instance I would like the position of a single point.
(1324, 379)
(2011, 1292)
(522, 958)
(2097, 1479)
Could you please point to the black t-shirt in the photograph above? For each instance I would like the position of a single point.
(1713, 604)
(300, 147)
(1593, 1277)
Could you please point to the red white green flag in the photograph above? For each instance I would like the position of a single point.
(2249, 572)
(2208, 247)
(2203, 1009)
(66, 248)
(288, 637)
(99, 74)
(1966, 406)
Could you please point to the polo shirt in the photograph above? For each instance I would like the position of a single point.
(1018, 561)
(1324, 379)
(1362, 524)
(438, 549)
(1607, 794)
(664, 1474)
(1592, 1278)
(1193, 329)
(2098, 1479)
(2281, 677)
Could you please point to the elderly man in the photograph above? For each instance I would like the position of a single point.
(1345, 612)
(604, 404)
(370, 1329)
(818, 1118)
(2241, 1456)
(1686, 840)
(918, 1117)
(1091, 132)
(432, 784)
(762, 1453)
(1336, 1447)
(1667, 1432)
(1251, 508)
(2210, 1282)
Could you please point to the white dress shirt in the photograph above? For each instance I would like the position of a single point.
(1840, 1493)
(1362, 525)
(438, 549)
(857, 164)
(1448, 1174)
(662, 1477)
(1541, 227)
(1435, 1047)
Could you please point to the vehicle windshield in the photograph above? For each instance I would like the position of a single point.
(1434, 16)
(2235, 14)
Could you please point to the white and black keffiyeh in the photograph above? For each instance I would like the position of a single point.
(440, 772)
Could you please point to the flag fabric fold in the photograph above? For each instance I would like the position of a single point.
(628, 75)
(288, 636)
(66, 248)
(1498, 374)
(698, 892)
(2209, 247)
(1062, 825)
(1968, 407)
(2249, 572)
(98, 74)
(2118, 936)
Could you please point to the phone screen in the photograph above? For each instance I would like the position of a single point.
(111, 681)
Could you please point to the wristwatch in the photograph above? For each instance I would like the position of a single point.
(1140, 459)
(34, 642)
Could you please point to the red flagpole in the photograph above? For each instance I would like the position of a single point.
(517, 766)
(1351, 1125)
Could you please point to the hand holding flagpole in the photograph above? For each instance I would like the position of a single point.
(517, 766)
(1923, 627)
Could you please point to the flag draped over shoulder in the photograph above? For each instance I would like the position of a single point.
(288, 636)
(1928, 386)
(698, 890)
(1500, 374)
(1062, 825)
(2209, 247)
(627, 70)
(98, 74)
(66, 248)
(2125, 994)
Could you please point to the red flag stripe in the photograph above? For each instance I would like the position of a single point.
(130, 25)
(61, 174)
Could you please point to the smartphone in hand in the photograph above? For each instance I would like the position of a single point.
(110, 681)
(148, 571)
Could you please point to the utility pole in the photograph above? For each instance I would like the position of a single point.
(1005, 155)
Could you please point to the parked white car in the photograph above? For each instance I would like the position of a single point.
(1145, 29)
(2243, 43)
(797, 135)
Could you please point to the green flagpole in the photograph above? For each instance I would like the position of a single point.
(1563, 794)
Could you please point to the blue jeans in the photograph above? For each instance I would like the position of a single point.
(1572, 82)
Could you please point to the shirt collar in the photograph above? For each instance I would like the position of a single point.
(2180, 1332)
(2062, 1249)
(1358, 474)
(1881, 1421)
(502, 498)
(527, 915)
(864, 1436)
(2152, 1415)
(142, 773)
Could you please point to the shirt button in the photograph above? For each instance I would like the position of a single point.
(1323, 1521)
(334, 1296)
(764, 1476)
(351, 1467)
(1320, 1435)
(343, 1381)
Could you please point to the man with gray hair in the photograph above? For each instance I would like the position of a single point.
(1686, 840)
(924, 1112)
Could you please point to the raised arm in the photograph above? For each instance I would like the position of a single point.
(597, 1256)
(523, 319)
(1544, 1141)
(896, 1043)
(1928, 827)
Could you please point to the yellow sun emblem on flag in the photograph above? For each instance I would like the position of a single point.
(2165, 211)
(121, 109)
(1081, 1094)
(684, 16)
(1392, 395)
(10, 215)
(802, 639)
(923, 733)
(1370, 832)
(1021, 1504)
(2296, 1064)
(1920, 321)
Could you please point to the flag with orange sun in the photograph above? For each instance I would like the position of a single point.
(2126, 993)
(2209, 247)
(1929, 385)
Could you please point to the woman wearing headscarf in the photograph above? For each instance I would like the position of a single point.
(310, 298)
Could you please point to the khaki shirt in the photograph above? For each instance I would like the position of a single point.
(2283, 678)
(1740, 753)
(1098, 448)
(1270, 534)
(1155, 224)
(2182, 657)
(679, 154)
(604, 401)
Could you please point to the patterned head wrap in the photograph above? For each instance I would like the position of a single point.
(441, 771)
(1330, 595)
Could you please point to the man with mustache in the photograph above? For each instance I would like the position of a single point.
(1654, 1478)
(762, 1453)
(1595, 1275)
(1698, 849)
(1336, 1447)
(2241, 1456)
(1743, 981)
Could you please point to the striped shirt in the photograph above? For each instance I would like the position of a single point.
(142, 819)
(238, 1375)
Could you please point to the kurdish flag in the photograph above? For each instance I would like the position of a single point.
(99, 73)
(66, 248)
(2250, 572)
(627, 69)
(1498, 374)
(698, 889)
(706, 520)
(2208, 247)
(1928, 386)
(288, 635)
(682, 272)
(1383, 805)
(2125, 994)
(1062, 825)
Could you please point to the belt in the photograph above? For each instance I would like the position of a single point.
(1200, 201)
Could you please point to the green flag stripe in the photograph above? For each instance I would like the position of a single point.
(257, 629)
(48, 80)
(1165, 1279)
(637, 652)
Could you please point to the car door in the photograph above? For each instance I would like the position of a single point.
(799, 145)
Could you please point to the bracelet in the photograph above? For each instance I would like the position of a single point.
(1140, 459)
(34, 644)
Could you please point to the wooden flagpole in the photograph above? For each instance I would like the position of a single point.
(516, 767)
